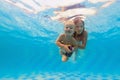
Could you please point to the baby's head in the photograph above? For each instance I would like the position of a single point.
(69, 27)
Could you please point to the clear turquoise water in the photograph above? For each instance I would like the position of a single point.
(28, 50)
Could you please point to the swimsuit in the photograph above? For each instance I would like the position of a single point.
(69, 54)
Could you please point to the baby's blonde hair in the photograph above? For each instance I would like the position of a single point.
(69, 23)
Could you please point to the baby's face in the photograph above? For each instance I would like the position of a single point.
(69, 30)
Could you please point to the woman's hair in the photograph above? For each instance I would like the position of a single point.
(78, 19)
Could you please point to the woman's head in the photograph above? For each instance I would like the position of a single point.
(69, 27)
(79, 25)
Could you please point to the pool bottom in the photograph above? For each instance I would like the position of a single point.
(62, 76)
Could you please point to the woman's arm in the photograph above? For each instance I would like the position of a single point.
(84, 41)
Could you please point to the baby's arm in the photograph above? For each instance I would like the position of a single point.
(62, 45)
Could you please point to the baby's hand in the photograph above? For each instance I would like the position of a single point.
(67, 49)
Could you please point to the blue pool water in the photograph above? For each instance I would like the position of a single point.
(28, 50)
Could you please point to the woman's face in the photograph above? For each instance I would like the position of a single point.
(79, 27)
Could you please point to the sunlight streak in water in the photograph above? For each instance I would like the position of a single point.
(44, 19)
(28, 40)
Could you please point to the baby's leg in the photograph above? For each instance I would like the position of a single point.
(64, 57)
